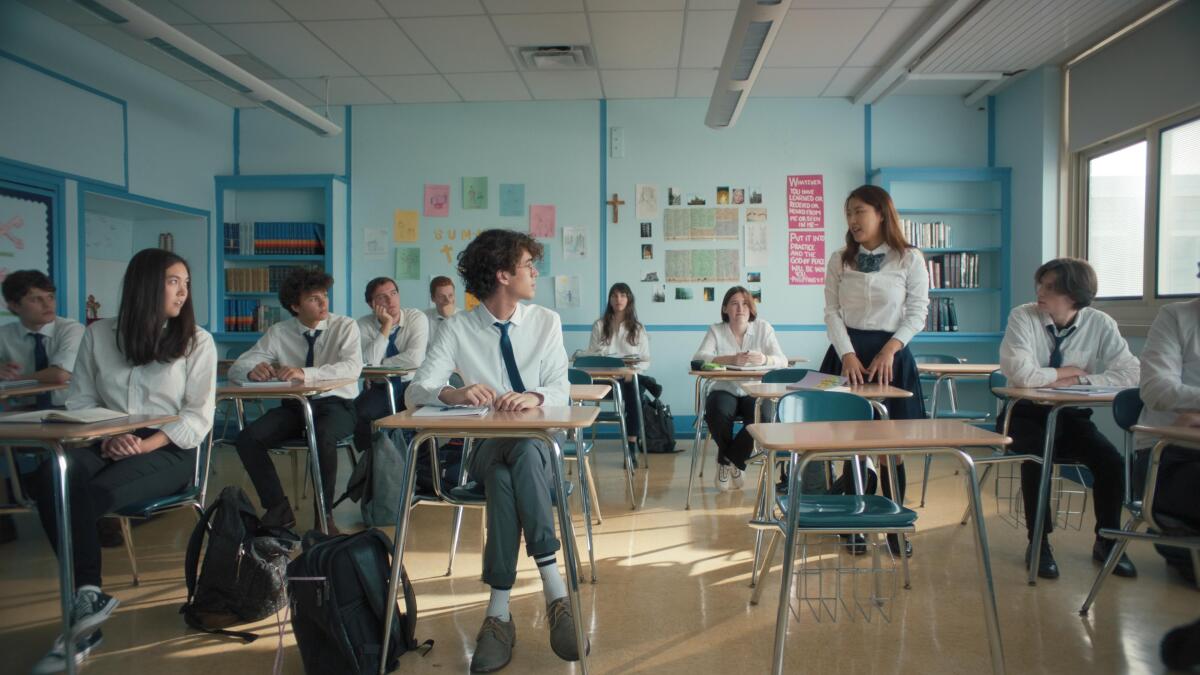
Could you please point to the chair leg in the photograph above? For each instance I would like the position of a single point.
(595, 496)
(1109, 565)
(925, 478)
(299, 484)
(704, 453)
(766, 566)
(127, 534)
(455, 528)
(982, 477)
(1196, 566)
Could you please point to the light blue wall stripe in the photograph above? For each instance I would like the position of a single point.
(867, 143)
(603, 243)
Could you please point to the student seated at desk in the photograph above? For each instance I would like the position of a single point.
(393, 337)
(313, 345)
(511, 357)
(151, 360)
(441, 293)
(39, 345)
(740, 339)
(619, 333)
(1060, 340)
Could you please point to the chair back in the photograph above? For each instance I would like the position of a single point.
(599, 362)
(823, 406)
(456, 381)
(785, 375)
(1127, 407)
(577, 376)
(936, 358)
(996, 380)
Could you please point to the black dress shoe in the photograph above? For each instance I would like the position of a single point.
(894, 544)
(1047, 568)
(1180, 649)
(280, 515)
(856, 544)
(1100, 552)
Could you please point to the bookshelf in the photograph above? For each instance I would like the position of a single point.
(302, 219)
(960, 218)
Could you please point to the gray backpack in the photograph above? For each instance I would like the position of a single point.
(375, 482)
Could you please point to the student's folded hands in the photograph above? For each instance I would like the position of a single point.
(121, 447)
(516, 402)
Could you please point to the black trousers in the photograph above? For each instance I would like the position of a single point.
(1178, 480)
(97, 486)
(1076, 441)
(633, 406)
(333, 418)
(721, 409)
(371, 405)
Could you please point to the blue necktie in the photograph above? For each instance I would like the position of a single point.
(869, 262)
(1056, 357)
(41, 361)
(392, 349)
(510, 361)
(312, 341)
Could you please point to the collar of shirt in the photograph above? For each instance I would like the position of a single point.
(751, 330)
(1048, 322)
(305, 330)
(882, 248)
(486, 319)
(47, 330)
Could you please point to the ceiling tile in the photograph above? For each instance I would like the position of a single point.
(459, 45)
(233, 11)
(373, 47)
(209, 38)
(696, 82)
(532, 6)
(638, 83)
(489, 86)
(637, 39)
(633, 5)
(345, 91)
(65, 11)
(406, 8)
(141, 51)
(893, 28)
(416, 88)
(788, 82)
(165, 10)
(543, 29)
(915, 3)
(841, 4)
(811, 38)
(712, 4)
(564, 84)
(288, 48)
(320, 10)
(223, 94)
(848, 81)
(295, 91)
(704, 38)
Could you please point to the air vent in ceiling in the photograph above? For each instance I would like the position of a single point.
(554, 57)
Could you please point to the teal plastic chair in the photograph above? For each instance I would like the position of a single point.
(192, 495)
(614, 416)
(953, 413)
(830, 514)
(785, 375)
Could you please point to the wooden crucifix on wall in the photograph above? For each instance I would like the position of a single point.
(614, 203)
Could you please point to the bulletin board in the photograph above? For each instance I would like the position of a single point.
(26, 219)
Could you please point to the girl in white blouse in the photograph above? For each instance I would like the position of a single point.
(876, 299)
(740, 339)
(619, 333)
(151, 360)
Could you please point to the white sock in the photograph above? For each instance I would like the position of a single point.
(498, 603)
(88, 587)
(553, 586)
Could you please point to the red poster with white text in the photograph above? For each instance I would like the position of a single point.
(806, 230)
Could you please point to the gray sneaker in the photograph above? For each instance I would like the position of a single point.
(562, 630)
(493, 645)
(55, 661)
(91, 609)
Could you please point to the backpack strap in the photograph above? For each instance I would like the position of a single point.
(376, 600)
(195, 543)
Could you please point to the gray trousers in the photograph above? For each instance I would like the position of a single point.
(517, 476)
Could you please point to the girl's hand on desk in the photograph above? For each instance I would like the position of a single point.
(880, 369)
(852, 368)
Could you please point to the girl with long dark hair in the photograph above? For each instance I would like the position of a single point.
(619, 333)
(151, 360)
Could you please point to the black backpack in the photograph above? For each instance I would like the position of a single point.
(449, 461)
(244, 575)
(338, 587)
(660, 425)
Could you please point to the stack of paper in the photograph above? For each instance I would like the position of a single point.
(820, 381)
(81, 416)
(450, 411)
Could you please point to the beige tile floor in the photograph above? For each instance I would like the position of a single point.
(672, 597)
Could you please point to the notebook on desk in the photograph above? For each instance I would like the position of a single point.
(750, 368)
(17, 384)
(1083, 390)
(820, 381)
(451, 411)
(81, 416)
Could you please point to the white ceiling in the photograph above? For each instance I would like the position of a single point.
(366, 52)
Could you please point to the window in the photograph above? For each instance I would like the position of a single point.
(1179, 210)
(1116, 211)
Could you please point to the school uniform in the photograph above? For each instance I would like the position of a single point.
(103, 378)
(1170, 384)
(524, 353)
(330, 351)
(54, 344)
(727, 401)
(1033, 347)
(435, 320)
(402, 347)
(619, 346)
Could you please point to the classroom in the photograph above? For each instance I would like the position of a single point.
(823, 336)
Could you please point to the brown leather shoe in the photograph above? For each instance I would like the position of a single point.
(493, 645)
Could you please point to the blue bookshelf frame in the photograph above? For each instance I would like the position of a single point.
(984, 216)
(323, 182)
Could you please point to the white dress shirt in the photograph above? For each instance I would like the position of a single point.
(411, 340)
(337, 353)
(62, 345)
(470, 343)
(1096, 346)
(1170, 381)
(619, 344)
(894, 299)
(435, 322)
(186, 387)
(720, 341)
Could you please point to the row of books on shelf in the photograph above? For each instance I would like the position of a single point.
(248, 316)
(953, 270)
(942, 317)
(926, 235)
(259, 279)
(263, 238)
